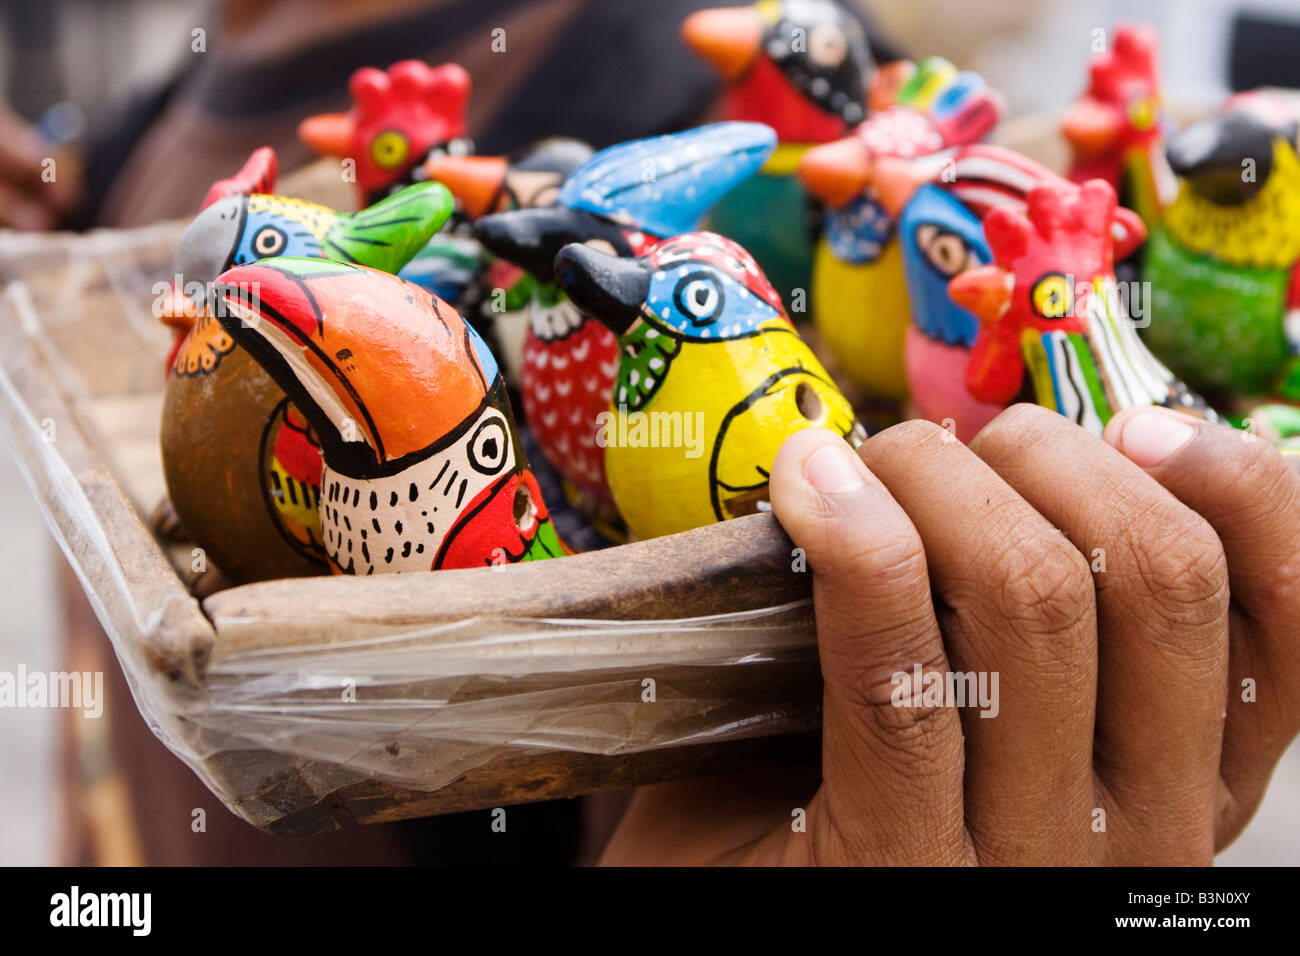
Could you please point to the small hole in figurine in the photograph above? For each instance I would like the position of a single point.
(525, 509)
(810, 404)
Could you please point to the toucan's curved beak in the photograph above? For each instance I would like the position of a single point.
(329, 134)
(609, 288)
(985, 291)
(1212, 154)
(474, 180)
(838, 172)
(1090, 126)
(727, 38)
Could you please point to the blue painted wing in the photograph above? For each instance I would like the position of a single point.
(665, 184)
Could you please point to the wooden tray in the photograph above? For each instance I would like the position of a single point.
(472, 688)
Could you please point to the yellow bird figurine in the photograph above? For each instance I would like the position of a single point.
(713, 378)
(859, 293)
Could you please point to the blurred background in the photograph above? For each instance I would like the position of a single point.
(67, 64)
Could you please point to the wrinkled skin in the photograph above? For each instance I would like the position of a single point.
(1120, 690)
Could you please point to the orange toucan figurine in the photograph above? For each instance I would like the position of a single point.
(241, 464)
(423, 469)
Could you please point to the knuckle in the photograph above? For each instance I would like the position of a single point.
(1182, 565)
(892, 555)
(1046, 584)
(1279, 590)
(1013, 428)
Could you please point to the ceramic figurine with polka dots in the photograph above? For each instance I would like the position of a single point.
(622, 200)
(712, 379)
(422, 466)
(803, 68)
(241, 464)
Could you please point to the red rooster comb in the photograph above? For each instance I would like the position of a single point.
(1063, 217)
(398, 115)
(257, 175)
(1067, 237)
(1133, 56)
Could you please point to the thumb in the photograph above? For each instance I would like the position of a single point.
(892, 775)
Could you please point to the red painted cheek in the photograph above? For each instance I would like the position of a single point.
(487, 531)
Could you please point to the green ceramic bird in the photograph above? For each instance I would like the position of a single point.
(1222, 266)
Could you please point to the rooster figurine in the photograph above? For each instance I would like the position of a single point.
(938, 202)
(802, 67)
(402, 120)
(1222, 266)
(622, 200)
(423, 469)
(859, 297)
(242, 466)
(712, 379)
(1050, 312)
(1116, 128)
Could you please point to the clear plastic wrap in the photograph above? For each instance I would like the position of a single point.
(301, 701)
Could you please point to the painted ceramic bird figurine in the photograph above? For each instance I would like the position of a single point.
(938, 202)
(713, 377)
(242, 466)
(859, 296)
(423, 469)
(402, 119)
(1116, 128)
(485, 185)
(803, 68)
(1050, 312)
(623, 199)
(1222, 266)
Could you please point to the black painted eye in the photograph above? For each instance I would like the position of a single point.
(698, 296)
(269, 241)
(945, 251)
(490, 447)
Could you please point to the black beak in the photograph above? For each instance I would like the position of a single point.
(608, 288)
(531, 238)
(1227, 159)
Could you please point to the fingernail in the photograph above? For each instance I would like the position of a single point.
(832, 470)
(1149, 437)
